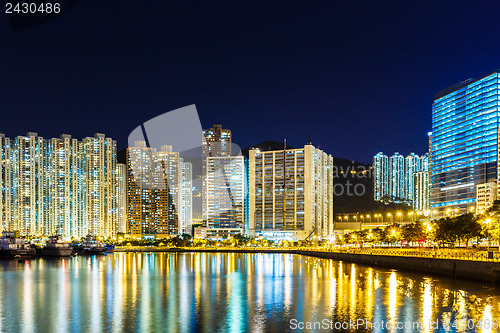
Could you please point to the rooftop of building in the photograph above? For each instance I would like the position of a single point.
(459, 85)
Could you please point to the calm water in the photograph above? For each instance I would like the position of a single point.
(204, 292)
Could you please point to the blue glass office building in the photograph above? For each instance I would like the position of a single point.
(465, 124)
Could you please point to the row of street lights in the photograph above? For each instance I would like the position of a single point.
(399, 216)
(393, 217)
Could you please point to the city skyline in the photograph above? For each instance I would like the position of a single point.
(250, 166)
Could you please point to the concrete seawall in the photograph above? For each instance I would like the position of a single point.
(456, 269)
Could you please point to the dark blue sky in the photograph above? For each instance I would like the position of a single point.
(357, 76)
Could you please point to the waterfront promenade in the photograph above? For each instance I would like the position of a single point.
(477, 265)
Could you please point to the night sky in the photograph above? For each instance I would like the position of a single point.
(356, 76)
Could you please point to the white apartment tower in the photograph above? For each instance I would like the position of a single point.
(225, 192)
(121, 197)
(421, 194)
(186, 210)
(291, 193)
(216, 143)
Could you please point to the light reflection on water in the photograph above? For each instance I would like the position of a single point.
(203, 292)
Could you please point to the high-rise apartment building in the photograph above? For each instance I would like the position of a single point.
(140, 201)
(59, 186)
(465, 143)
(412, 165)
(224, 186)
(99, 154)
(121, 197)
(291, 193)
(159, 192)
(381, 176)
(421, 193)
(486, 194)
(6, 183)
(225, 193)
(61, 198)
(216, 143)
(186, 210)
(424, 162)
(167, 187)
(393, 179)
(27, 176)
(397, 177)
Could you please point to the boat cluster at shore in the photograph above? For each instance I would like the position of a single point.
(14, 247)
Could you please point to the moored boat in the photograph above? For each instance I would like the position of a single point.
(13, 247)
(56, 247)
(90, 246)
(110, 248)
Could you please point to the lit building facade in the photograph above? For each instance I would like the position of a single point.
(186, 210)
(465, 125)
(381, 176)
(159, 192)
(397, 177)
(216, 143)
(121, 197)
(61, 197)
(225, 193)
(486, 194)
(167, 187)
(57, 187)
(27, 200)
(424, 162)
(412, 165)
(421, 193)
(140, 202)
(6, 184)
(291, 193)
(393, 179)
(99, 154)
